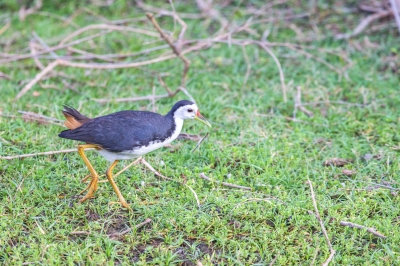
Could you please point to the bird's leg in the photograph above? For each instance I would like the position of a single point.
(95, 177)
(121, 198)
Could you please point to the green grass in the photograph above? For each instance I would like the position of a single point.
(39, 195)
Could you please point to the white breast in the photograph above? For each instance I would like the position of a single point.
(130, 154)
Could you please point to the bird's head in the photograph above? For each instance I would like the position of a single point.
(188, 110)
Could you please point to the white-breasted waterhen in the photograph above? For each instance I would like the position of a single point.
(125, 135)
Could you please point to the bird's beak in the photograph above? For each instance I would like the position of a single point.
(201, 119)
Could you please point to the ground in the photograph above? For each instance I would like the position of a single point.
(349, 88)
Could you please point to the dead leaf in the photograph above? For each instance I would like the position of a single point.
(36, 94)
(337, 162)
(348, 172)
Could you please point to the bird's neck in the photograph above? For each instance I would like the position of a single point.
(178, 123)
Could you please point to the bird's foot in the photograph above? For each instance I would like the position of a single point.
(122, 203)
(91, 189)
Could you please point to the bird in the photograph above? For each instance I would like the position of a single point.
(125, 135)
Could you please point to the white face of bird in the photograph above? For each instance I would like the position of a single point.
(191, 112)
(187, 111)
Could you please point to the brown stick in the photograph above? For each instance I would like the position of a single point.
(281, 76)
(36, 154)
(369, 229)
(13, 57)
(298, 104)
(318, 216)
(40, 116)
(107, 27)
(163, 12)
(143, 161)
(206, 8)
(203, 176)
(174, 48)
(85, 233)
(38, 77)
(364, 23)
(395, 6)
(200, 141)
(23, 13)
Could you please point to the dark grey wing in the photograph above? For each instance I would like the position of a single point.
(125, 130)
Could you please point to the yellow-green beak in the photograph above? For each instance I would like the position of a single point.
(201, 119)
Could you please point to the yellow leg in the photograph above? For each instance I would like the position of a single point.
(95, 177)
(121, 198)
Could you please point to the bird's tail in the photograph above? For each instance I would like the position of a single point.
(74, 119)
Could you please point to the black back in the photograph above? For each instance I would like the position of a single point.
(125, 130)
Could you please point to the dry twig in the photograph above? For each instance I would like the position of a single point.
(299, 105)
(207, 9)
(175, 48)
(317, 215)
(396, 7)
(36, 154)
(369, 229)
(23, 13)
(167, 178)
(200, 141)
(38, 77)
(364, 24)
(203, 176)
(281, 76)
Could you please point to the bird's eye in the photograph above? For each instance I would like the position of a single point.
(190, 110)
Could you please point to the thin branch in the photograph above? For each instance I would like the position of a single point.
(85, 233)
(273, 260)
(13, 57)
(299, 105)
(89, 55)
(107, 27)
(281, 76)
(395, 7)
(23, 13)
(138, 160)
(369, 229)
(364, 24)
(187, 94)
(167, 178)
(36, 154)
(315, 255)
(175, 48)
(160, 11)
(38, 77)
(318, 216)
(207, 9)
(200, 141)
(203, 176)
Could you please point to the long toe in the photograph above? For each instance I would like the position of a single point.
(122, 203)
